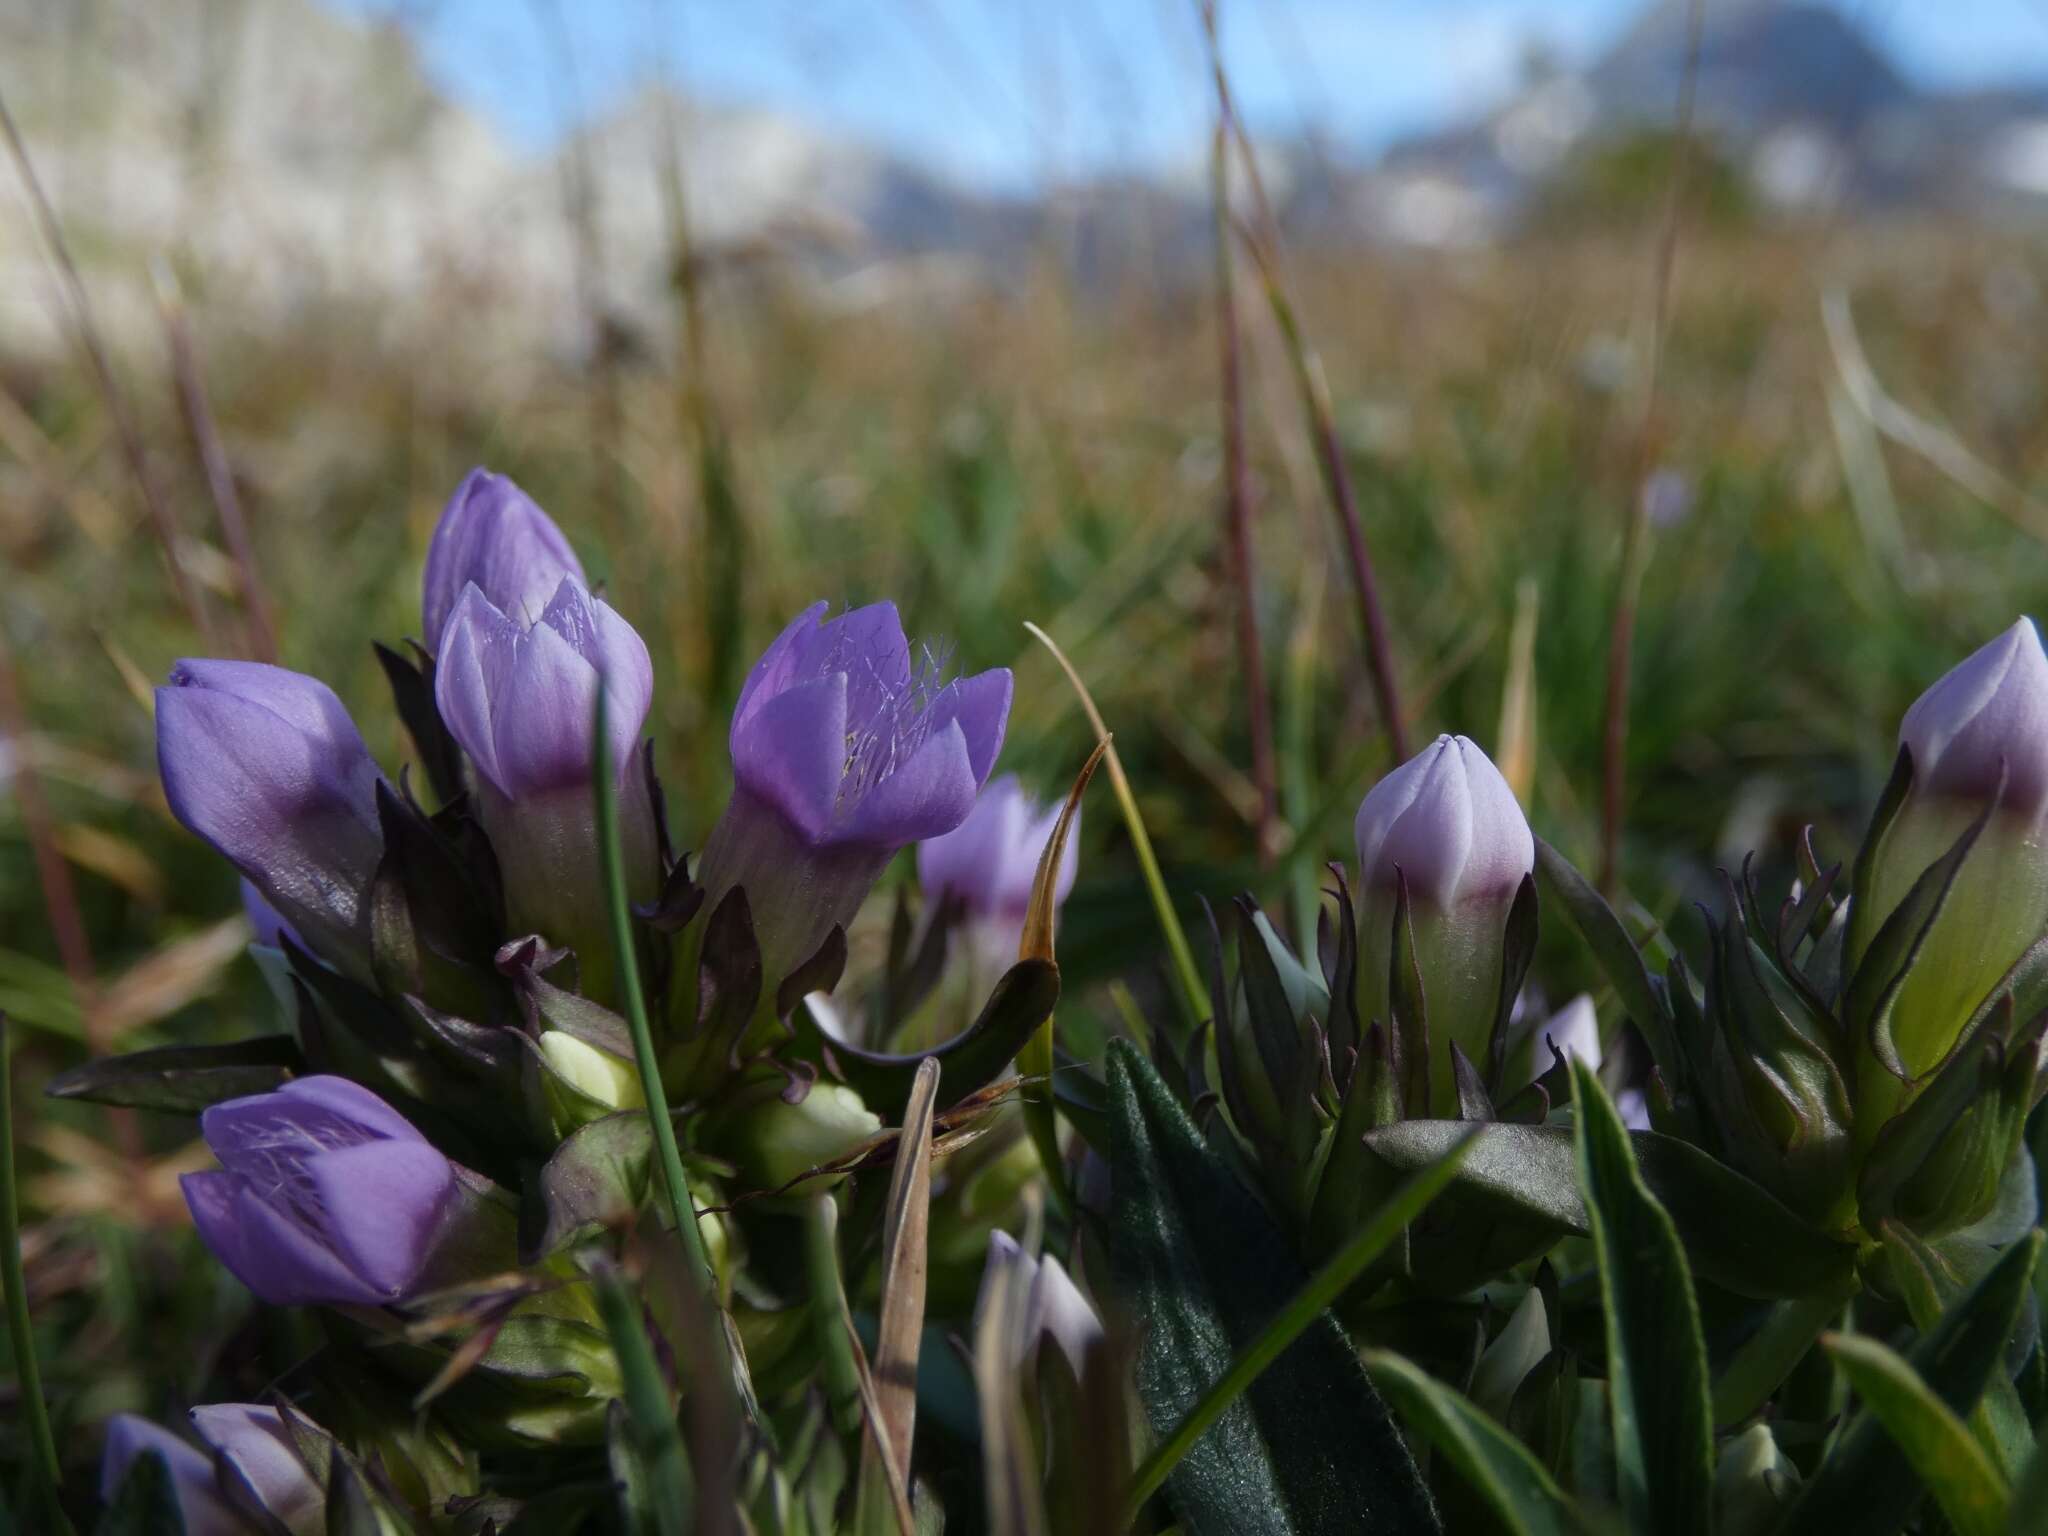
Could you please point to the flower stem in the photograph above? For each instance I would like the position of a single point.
(675, 1184)
(19, 1333)
(1323, 1287)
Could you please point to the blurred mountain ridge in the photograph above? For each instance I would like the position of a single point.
(293, 156)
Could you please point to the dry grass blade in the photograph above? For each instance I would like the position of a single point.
(1514, 744)
(118, 407)
(1009, 1458)
(1635, 537)
(165, 980)
(904, 1231)
(1036, 942)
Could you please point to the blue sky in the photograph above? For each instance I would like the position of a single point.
(1008, 93)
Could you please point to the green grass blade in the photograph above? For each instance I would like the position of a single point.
(20, 1331)
(1497, 1465)
(1940, 1446)
(650, 1416)
(1656, 1358)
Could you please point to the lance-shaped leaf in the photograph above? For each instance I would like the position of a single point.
(412, 692)
(1949, 1462)
(1518, 948)
(596, 1179)
(1522, 1496)
(1309, 1447)
(1656, 1358)
(1865, 1485)
(183, 1079)
(1022, 1000)
(1739, 1235)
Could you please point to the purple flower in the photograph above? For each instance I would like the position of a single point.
(843, 750)
(1047, 1305)
(261, 1463)
(206, 1513)
(520, 699)
(325, 1194)
(266, 924)
(1988, 714)
(1445, 825)
(266, 765)
(989, 864)
(492, 536)
(1984, 722)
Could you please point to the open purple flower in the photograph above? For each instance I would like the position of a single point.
(266, 765)
(520, 699)
(325, 1194)
(844, 749)
(492, 536)
(989, 864)
(254, 1481)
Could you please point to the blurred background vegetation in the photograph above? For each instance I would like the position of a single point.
(995, 408)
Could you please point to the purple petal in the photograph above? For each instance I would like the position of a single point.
(205, 1512)
(1988, 714)
(866, 644)
(982, 706)
(926, 796)
(293, 810)
(963, 862)
(384, 1201)
(541, 716)
(265, 921)
(305, 704)
(263, 1132)
(493, 535)
(268, 1250)
(791, 752)
(476, 651)
(615, 650)
(259, 1452)
(777, 668)
(349, 1101)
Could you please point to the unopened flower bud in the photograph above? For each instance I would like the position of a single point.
(611, 1080)
(1977, 742)
(262, 1463)
(775, 1142)
(1446, 826)
(843, 750)
(1049, 1306)
(492, 535)
(1754, 1484)
(205, 1512)
(266, 765)
(325, 1194)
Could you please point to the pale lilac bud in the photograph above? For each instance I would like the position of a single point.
(843, 751)
(266, 765)
(1048, 1305)
(492, 536)
(1447, 826)
(989, 865)
(205, 1512)
(325, 1194)
(1984, 722)
(259, 1458)
(520, 699)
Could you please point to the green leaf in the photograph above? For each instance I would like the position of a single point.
(1309, 1447)
(651, 1439)
(597, 1178)
(1656, 1359)
(350, 1511)
(1513, 1483)
(146, 1503)
(1738, 1235)
(1620, 961)
(1950, 1462)
(1023, 999)
(1770, 1354)
(183, 1079)
(1864, 1485)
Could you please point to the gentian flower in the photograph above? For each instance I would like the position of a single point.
(989, 865)
(1983, 723)
(267, 926)
(492, 536)
(1052, 1306)
(843, 751)
(520, 698)
(1446, 824)
(325, 1194)
(266, 765)
(253, 1482)
(261, 1464)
